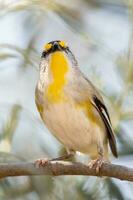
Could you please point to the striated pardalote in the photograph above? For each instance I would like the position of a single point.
(71, 107)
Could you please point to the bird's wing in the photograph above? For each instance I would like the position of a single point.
(102, 110)
(85, 89)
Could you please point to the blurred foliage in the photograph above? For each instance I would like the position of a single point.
(79, 188)
(11, 124)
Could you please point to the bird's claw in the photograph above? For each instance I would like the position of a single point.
(41, 162)
(97, 164)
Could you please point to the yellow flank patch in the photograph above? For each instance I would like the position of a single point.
(59, 66)
(40, 108)
(90, 111)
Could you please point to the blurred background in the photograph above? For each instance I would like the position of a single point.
(100, 34)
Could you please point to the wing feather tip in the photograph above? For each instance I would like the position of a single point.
(107, 122)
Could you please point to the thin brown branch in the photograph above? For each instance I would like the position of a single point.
(65, 168)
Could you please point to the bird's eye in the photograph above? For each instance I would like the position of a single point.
(63, 44)
(47, 46)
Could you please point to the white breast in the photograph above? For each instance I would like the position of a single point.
(72, 128)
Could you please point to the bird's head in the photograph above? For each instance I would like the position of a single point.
(56, 54)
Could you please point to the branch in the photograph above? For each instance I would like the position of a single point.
(55, 168)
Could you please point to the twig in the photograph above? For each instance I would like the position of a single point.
(65, 168)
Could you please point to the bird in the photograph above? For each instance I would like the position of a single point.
(71, 107)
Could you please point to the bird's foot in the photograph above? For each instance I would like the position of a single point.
(41, 162)
(97, 164)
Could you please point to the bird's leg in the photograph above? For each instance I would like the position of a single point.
(43, 162)
(70, 154)
(97, 163)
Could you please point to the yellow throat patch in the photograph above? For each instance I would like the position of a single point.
(59, 66)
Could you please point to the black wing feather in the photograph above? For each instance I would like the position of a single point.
(107, 122)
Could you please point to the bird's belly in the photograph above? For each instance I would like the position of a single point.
(72, 127)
